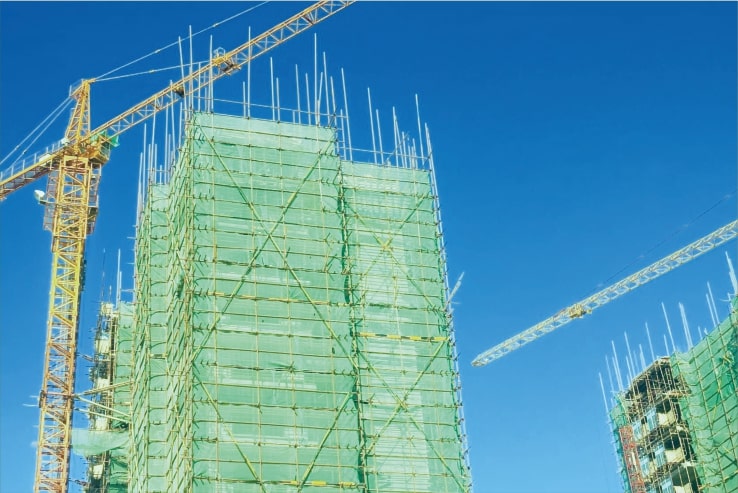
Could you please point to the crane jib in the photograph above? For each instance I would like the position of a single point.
(29, 170)
(667, 264)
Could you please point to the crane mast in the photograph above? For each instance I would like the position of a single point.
(71, 198)
(610, 293)
(71, 202)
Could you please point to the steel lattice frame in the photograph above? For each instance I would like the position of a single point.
(27, 171)
(657, 269)
(70, 213)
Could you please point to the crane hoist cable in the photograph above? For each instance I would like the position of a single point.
(147, 72)
(669, 237)
(175, 43)
(45, 123)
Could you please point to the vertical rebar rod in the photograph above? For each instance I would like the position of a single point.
(157, 174)
(713, 320)
(318, 100)
(118, 283)
(145, 162)
(307, 97)
(343, 133)
(333, 101)
(616, 366)
(211, 88)
(181, 58)
(731, 273)
(650, 344)
(629, 369)
(604, 396)
(248, 79)
(181, 123)
(192, 81)
(139, 196)
(371, 123)
(609, 375)
(403, 144)
(668, 329)
(177, 139)
(315, 78)
(243, 90)
(420, 133)
(199, 88)
(399, 136)
(271, 84)
(379, 134)
(711, 302)
(630, 354)
(395, 136)
(666, 344)
(348, 120)
(166, 134)
(297, 85)
(152, 156)
(685, 326)
(327, 97)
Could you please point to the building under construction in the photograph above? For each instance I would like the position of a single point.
(291, 326)
(676, 425)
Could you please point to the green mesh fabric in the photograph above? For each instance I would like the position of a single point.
(149, 428)
(618, 418)
(106, 444)
(291, 332)
(705, 380)
(710, 372)
(117, 477)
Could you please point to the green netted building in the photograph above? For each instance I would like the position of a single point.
(291, 329)
(106, 442)
(676, 426)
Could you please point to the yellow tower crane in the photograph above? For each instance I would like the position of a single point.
(71, 202)
(610, 293)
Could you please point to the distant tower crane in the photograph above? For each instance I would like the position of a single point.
(71, 202)
(610, 293)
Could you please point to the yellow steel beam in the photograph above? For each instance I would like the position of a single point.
(71, 210)
(26, 172)
(79, 123)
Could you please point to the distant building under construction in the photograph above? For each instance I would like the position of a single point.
(291, 328)
(676, 425)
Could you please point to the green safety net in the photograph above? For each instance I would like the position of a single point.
(710, 372)
(706, 379)
(152, 447)
(117, 474)
(93, 442)
(292, 331)
(619, 418)
(106, 443)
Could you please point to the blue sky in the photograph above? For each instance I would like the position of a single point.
(570, 139)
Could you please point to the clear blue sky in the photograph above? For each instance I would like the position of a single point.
(570, 139)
